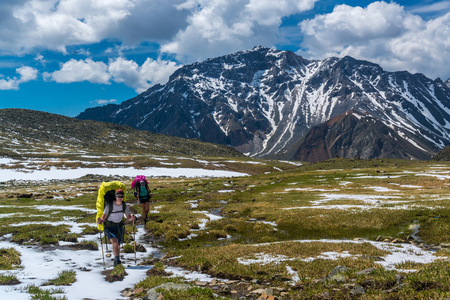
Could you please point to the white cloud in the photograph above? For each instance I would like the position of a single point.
(141, 77)
(432, 8)
(383, 33)
(26, 74)
(53, 24)
(82, 70)
(119, 70)
(103, 101)
(193, 30)
(56, 24)
(224, 26)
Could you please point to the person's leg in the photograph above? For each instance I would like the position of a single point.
(116, 251)
(144, 216)
(145, 210)
(116, 247)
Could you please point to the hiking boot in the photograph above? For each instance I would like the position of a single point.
(117, 262)
(145, 220)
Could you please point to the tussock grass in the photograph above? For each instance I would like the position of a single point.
(40, 233)
(152, 281)
(47, 294)
(8, 279)
(118, 270)
(192, 293)
(9, 259)
(64, 278)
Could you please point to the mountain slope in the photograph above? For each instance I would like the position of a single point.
(27, 133)
(263, 102)
(354, 136)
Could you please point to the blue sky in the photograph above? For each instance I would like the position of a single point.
(65, 56)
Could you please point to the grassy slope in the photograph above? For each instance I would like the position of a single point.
(27, 133)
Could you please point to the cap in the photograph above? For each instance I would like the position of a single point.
(119, 192)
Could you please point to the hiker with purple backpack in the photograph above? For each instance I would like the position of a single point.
(143, 194)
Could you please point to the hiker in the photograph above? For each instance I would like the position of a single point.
(113, 223)
(143, 194)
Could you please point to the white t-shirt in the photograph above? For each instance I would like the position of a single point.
(116, 214)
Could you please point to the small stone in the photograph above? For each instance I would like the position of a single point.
(128, 294)
(201, 283)
(357, 290)
(225, 289)
(365, 271)
(399, 278)
(262, 291)
(267, 297)
(338, 278)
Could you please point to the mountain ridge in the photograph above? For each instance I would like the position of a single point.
(263, 102)
(24, 130)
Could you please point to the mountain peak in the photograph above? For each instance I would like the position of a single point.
(264, 101)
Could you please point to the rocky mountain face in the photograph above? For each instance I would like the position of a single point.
(275, 104)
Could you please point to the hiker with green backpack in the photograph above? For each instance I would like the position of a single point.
(112, 220)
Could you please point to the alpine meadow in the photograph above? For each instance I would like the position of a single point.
(303, 171)
(221, 225)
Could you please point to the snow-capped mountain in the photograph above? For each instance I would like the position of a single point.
(265, 102)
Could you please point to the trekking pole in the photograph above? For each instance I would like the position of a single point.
(103, 254)
(134, 237)
(106, 243)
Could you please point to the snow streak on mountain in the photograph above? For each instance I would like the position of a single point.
(270, 103)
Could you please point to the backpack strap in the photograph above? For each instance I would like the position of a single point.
(124, 206)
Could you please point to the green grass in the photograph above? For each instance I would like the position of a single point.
(8, 279)
(64, 278)
(47, 294)
(9, 259)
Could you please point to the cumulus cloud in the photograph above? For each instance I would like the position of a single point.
(223, 26)
(119, 70)
(383, 33)
(25, 74)
(141, 77)
(56, 24)
(81, 70)
(193, 30)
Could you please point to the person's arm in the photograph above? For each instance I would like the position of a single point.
(128, 215)
(131, 217)
(102, 219)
